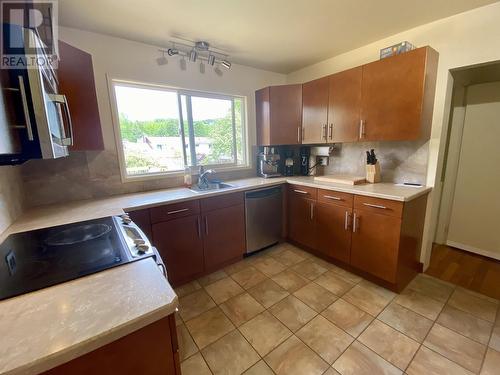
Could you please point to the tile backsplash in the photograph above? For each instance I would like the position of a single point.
(11, 196)
(400, 161)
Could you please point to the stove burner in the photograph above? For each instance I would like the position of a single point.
(78, 234)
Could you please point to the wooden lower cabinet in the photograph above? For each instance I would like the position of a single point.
(301, 226)
(180, 245)
(224, 235)
(333, 231)
(375, 244)
(151, 350)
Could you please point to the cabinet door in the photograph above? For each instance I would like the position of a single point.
(392, 97)
(181, 248)
(143, 221)
(286, 114)
(76, 80)
(301, 221)
(344, 106)
(224, 236)
(333, 231)
(315, 111)
(375, 244)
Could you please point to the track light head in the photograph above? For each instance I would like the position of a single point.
(226, 64)
(162, 60)
(172, 51)
(218, 71)
(193, 55)
(202, 68)
(183, 63)
(211, 59)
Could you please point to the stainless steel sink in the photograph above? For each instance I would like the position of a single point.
(210, 187)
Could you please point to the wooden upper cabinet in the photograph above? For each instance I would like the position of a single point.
(344, 106)
(76, 80)
(398, 96)
(279, 115)
(315, 110)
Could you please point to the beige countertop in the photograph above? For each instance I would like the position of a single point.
(43, 329)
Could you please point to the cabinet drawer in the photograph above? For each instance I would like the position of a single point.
(221, 201)
(379, 206)
(303, 191)
(337, 197)
(174, 211)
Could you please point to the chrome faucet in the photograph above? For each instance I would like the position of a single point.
(203, 179)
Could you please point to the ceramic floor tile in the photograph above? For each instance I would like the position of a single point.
(428, 362)
(431, 287)
(248, 277)
(359, 360)
(293, 357)
(491, 363)
(265, 332)
(260, 368)
(194, 304)
(346, 275)
(223, 289)
(241, 308)
(309, 269)
(466, 352)
(332, 371)
(188, 288)
(390, 344)
(292, 312)
(232, 354)
(195, 365)
(404, 320)
(465, 324)
(209, 279)
(350, 318)
(236, 267)
(370, 299)
(209, 327)
(478, 305)
(325, 338)
(269, 266)
(425, 306)
(315, 296)
(334, 283)
(268, 293)
(495, 338)
(290, 280)
(289, 258)
(178, 319)
(187, 347)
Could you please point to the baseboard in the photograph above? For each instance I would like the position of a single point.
(475, 250)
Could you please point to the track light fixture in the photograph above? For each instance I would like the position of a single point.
(194, 51)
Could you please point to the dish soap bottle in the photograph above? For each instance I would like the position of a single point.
(188, 179)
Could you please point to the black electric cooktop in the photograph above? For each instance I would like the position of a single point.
(37, 259)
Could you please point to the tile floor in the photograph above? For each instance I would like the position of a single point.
(284, 311)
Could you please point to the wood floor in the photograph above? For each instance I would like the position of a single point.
(471, 271)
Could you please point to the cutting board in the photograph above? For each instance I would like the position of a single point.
(341, 179)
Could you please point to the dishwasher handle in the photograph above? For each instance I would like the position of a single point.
(263, 193)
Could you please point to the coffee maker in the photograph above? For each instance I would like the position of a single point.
(268, 162)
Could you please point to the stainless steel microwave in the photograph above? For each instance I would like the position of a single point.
(35, 121)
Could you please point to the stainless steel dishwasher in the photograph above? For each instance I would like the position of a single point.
(263, 215)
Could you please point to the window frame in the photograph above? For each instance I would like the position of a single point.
(234, 166)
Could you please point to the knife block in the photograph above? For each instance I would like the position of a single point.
(373, 173)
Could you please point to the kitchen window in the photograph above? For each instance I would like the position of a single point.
(162, 130)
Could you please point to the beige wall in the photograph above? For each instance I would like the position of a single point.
(92, 174)
(465, 39)
(11, 197)
(476, 204)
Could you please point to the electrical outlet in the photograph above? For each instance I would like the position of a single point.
(322, 160)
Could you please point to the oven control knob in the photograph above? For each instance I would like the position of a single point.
(126, 219)
(142, 248)
(139, 241)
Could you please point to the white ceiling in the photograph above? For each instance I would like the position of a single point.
(277, 35)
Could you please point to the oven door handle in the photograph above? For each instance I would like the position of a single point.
(61, 99)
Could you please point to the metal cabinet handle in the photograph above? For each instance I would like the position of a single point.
(25, 107)
(298, 134)
(206, 225)
(312, 211)
(324, 131)
(177, 211)
(355, 223)
(375, 206)
(330, 131)
(199, 226)
(346, 223)
(332, 197)
(300, 191)
(361, 129)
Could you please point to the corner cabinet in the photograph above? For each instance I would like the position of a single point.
(279, 115)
